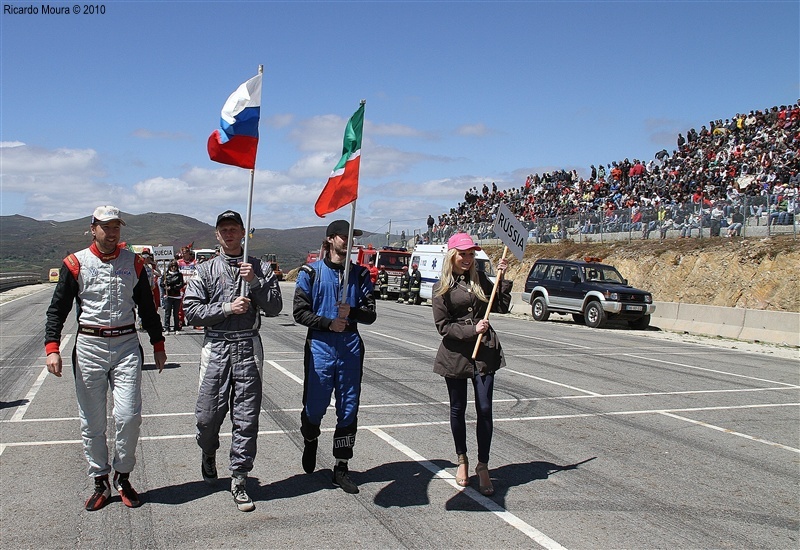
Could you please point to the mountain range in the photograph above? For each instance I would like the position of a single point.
(34, 245)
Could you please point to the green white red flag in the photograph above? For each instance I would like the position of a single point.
(342, 186)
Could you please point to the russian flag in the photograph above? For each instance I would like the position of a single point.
(236, 141)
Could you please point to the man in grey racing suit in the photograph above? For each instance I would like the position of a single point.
(225, 297)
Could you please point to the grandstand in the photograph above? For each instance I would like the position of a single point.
(733, 178)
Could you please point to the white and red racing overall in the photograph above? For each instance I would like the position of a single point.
(108, 289)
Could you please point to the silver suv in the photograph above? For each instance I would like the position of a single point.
(591, 291)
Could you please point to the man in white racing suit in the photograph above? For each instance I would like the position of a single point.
(108, 284)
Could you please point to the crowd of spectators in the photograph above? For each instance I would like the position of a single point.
(730, 172)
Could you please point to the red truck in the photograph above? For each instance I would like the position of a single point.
(390, 258)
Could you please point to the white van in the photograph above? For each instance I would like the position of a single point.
(429, 258)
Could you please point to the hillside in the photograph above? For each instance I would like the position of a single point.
(32, 245)
(751, 273)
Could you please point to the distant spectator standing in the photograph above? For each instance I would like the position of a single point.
(109, 284)
(383, 283)
(405, 286)
(153, 275)
(188, 268)
(414, 285)
(431, 221)
(373, 272)
(172, 283)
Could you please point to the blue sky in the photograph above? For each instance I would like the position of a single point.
(116, 108)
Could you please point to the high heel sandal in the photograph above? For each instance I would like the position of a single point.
(463, 461)
(486, 489)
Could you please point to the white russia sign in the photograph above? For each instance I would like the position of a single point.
(511, 231)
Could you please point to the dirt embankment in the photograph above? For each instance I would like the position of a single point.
(747, 273)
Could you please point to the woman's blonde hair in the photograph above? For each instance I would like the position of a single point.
(448, 281)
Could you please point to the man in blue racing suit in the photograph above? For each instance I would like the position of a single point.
(334, 351)
(232, 356)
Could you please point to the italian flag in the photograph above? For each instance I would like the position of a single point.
(342, 186)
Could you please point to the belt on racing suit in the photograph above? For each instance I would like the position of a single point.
(106, 332)
(231, 335)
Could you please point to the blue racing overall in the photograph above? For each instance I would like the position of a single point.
(333, 361)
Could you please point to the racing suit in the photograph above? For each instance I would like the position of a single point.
(232, 356)
(333, 361)
(107, 289)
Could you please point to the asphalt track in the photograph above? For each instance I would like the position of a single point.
(605, 438)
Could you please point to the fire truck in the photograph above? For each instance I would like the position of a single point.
(390, 258)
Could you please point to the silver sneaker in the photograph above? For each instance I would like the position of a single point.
(239, 491)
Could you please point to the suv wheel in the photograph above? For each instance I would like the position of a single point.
(579, 319)
(539, 309)
(594, 314)
(641, 323)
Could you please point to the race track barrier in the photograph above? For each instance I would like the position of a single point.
(13, 280)
(750, 325)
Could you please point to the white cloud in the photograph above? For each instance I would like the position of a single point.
(278, 121)
(396, 130)
(473, 130)
(24, 159)
(9, 144)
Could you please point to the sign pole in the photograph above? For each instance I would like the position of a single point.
(491, 301)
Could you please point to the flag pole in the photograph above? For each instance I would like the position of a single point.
(349, 250)
(249, 209)
(349, 241)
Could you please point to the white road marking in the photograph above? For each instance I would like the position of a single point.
(286, 372)
(445, 403)
(409, 342)
(667, 412)
(515, 522)
(710, 370)
(548, 340)
(731, 432)
(22, 409)
(593, 394)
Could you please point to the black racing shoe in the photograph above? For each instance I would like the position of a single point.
(310, 455)
(239, 491)
(127, 493)
(208, 466)
(102, 492)
(341, 478)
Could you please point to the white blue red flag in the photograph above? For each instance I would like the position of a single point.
(236, 141)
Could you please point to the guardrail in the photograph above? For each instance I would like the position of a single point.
(13, 280)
